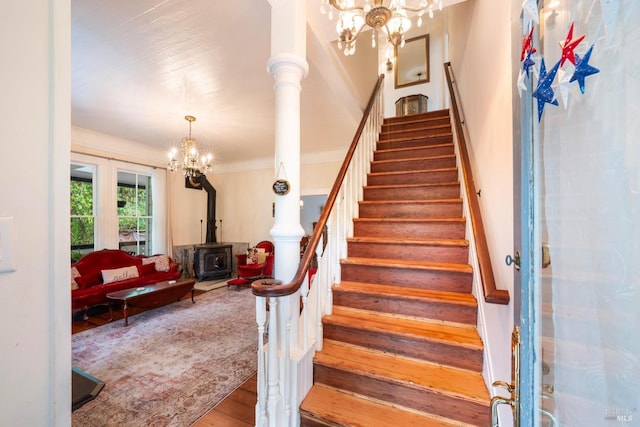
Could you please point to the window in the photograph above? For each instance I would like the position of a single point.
(82, 211)
(116, 205)
(134, 213)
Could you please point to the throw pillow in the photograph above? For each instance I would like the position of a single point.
(146, 269)
(88, 280)
(262, 255)
(117, 274)
(74, 273)
(161, 262)
(252, 256)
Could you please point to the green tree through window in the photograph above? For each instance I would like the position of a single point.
(134, 212)
(82, 213)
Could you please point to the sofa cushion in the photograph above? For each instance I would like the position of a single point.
(252, 256)
(118, 274)
(74, 274)
(161, 262)
(146, 269)
(88, 280)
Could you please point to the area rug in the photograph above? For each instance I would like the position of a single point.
(171, 365)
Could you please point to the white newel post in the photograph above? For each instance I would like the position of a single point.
(288, 67)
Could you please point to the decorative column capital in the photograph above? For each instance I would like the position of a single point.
(288, 64)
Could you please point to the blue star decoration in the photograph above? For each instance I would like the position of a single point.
(544, 93)
(583, 69)
(528, 62)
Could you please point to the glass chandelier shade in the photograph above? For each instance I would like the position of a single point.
(192, 163)
(390, 16)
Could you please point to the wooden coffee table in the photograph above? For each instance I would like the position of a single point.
(151, 296)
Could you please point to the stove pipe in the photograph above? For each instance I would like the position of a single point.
(211, 207)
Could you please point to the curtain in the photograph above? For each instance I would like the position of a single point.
(589, 149)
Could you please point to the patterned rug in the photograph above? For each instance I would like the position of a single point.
(170, 365)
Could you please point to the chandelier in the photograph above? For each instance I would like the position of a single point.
(193, 164)
(390, 17)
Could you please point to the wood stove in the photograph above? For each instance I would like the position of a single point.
(212, 261)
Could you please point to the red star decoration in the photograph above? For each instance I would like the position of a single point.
(527, 45)
(568, 46)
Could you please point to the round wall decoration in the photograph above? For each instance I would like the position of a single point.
(281, 187)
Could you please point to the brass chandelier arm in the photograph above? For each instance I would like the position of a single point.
(378, 3)
(357, 33)
(335, 4)
(415, 9)
(390, 16)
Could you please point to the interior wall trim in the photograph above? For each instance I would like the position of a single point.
(100, 156)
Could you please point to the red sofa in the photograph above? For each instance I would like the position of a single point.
(101, 272)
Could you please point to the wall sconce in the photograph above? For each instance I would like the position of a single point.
(389, 53)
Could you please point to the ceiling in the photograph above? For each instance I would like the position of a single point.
(138, 67)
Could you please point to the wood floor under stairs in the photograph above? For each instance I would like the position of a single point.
(401, 346)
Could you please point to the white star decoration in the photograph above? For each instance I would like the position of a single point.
(564, 82)
(521, 86)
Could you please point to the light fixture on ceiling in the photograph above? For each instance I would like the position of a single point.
(391, 16)
(193, 164)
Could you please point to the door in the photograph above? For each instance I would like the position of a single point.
(578, 288)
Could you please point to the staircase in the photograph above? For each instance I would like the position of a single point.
(401, 347)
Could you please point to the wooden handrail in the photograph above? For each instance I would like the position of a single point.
(266, 288)
(491, 293)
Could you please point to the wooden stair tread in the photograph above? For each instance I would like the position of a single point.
(413, 171)
(420, 125)
(415, 138)
(398, 263)
(410, 241)
(409, 149)
(344, 408)
(428, 115)
(446, 297)
(416, 220)
(399, 201)
(458, 334)
(405, 186)
(461, 383)
(414, 159)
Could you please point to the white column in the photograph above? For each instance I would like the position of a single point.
(288, 70)
(288, 67)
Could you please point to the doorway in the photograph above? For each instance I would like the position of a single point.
(580, 276)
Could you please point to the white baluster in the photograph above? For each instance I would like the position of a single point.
(304, 293)
(320, 282)
(286, 370)
(274, 399)
(261, 317)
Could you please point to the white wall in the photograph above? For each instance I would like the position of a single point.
(35, 342)
(244, 198)
(435, 88)
(480, 53)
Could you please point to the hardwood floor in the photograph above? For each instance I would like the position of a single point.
(236, 410)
